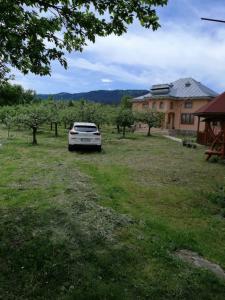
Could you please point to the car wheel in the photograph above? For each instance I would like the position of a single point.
(70, 148)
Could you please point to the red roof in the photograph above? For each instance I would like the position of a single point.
(215, 107)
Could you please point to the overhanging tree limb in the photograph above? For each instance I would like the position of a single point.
(26, 27)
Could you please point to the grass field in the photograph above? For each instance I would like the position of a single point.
(87, 225)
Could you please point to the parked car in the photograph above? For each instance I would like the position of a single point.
(84, 134)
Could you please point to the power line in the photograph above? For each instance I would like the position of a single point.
(213, 20)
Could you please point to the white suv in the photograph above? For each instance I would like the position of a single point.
(84, 134)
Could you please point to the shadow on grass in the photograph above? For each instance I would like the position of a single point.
(131, 138)
(138, 136)
(43, 256)
(86, 149)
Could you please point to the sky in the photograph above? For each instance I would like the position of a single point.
(184, 46)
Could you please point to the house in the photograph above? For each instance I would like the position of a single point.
(178, 100)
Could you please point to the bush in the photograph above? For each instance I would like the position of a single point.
(218, 197)
(214, 159)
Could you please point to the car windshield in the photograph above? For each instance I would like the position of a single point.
(85, 128)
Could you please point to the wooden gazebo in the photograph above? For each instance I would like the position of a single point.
(213, 114)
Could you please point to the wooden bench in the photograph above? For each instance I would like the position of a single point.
(211, 152)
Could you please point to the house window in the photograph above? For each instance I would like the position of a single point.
(187, 119)
(154, 105)
(188, 104)
(171, 105)
(145, 105)
(161, 105)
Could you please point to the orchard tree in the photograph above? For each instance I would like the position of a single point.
(112, 114)
(35, 32)
(54, 114)
(69, 115)
(125, 118)
(81, 109)
(126, 101)
(8, 117)
(95, 113)
(101, 117)
(32, 117)
(152, 118)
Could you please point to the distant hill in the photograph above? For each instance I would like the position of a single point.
(102, 96)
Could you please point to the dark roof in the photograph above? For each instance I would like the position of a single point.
(190, 88)
(181, 88)
(215, 107)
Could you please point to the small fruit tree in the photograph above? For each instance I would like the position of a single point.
(152, 118)
(32, 117)
(8, 117)
(54, 113)
(125, 118)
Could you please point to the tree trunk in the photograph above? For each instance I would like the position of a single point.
(65, 125)
(56, 129)
(149, 131)
(8, 132)
(51, 126)
(118, 128)
(124, 127)
(34, 135)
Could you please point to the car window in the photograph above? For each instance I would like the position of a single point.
(85, 128)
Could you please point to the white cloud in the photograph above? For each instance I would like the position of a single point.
(109, 69)
(106, 80)
(165, 55)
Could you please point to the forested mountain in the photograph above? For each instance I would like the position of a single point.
(103, 96)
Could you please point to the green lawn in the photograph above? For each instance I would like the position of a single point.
(91, 225)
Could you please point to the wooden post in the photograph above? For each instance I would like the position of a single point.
(198, 130)
(223, 146)
(207, 127)
(198, 124)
